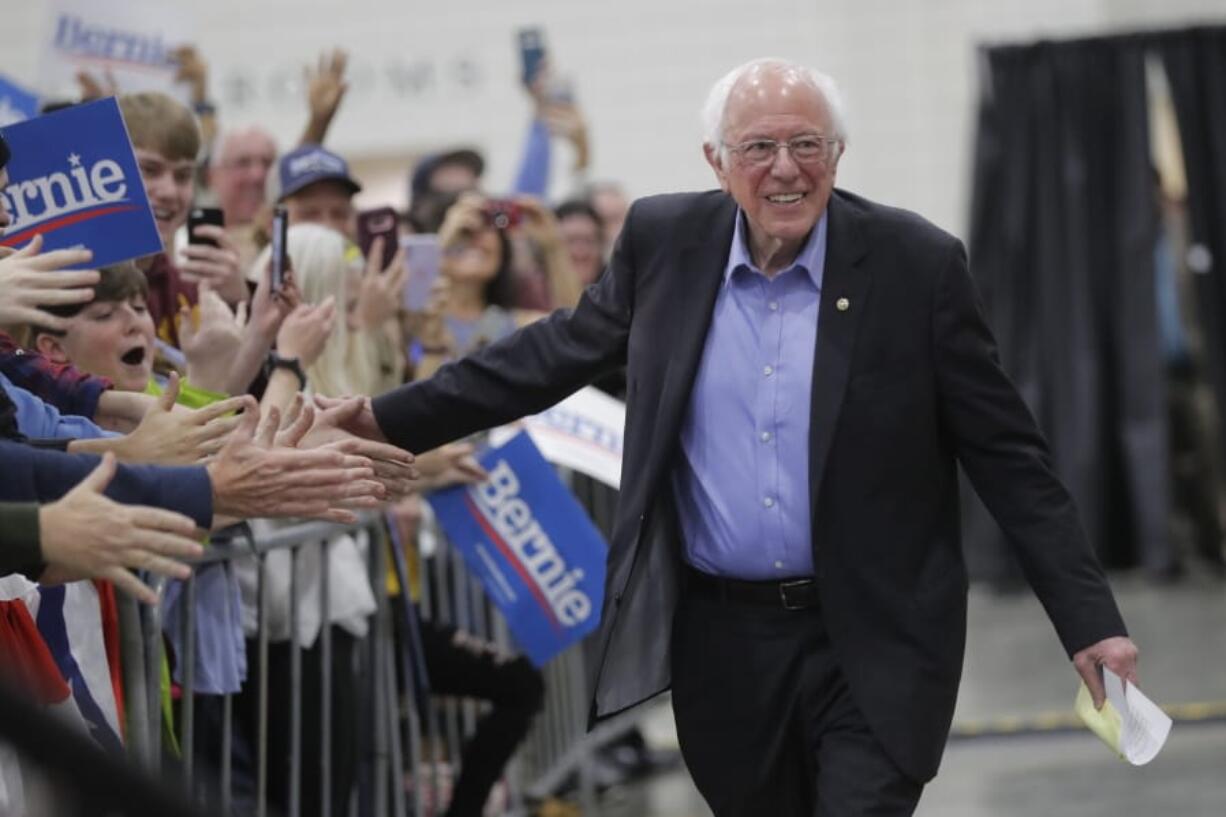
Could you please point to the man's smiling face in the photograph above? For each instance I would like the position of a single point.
(782, 198)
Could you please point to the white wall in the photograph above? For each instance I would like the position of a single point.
(641, 69)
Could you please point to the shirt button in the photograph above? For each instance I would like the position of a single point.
(768, 370)
(773, 306)
(765, 436)
(779, 565)
(768, 502)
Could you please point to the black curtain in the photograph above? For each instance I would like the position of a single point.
(1063, 225)
(1195, 63)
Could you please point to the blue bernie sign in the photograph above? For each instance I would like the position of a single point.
(532, 545)
(17, 104)
(74, 179)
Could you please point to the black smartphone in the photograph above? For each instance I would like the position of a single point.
(280, 249)
(531, 53)
(381, 222)
(203, 215)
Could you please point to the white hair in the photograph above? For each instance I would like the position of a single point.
(717, 99)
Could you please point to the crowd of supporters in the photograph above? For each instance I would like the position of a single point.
(150, 408)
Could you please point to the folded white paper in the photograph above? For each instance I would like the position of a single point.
(1130, 723)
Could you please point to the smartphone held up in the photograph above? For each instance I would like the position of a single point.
(280, 261)
(200, 216)
(379, 223)
(423, 256)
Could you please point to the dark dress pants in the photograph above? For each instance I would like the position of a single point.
(766, 721)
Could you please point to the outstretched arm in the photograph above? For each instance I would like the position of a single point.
(522, 374)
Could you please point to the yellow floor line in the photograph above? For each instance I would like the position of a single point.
(1061, 721)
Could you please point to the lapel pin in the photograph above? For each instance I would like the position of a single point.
(842, 304)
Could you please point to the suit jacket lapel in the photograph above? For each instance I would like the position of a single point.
(845, 287)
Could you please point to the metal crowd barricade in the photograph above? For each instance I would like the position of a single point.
(400, 771)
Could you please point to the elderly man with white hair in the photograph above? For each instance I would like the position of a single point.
(805, 370)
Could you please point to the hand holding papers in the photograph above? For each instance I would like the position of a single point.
(1130, 723)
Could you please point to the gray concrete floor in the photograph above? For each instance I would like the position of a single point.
(1016, 668)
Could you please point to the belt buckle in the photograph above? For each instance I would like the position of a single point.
(783, 593)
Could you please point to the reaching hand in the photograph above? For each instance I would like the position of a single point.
(269, 309)
(1117, 654)
(252, 478)
(86, 535)
(359, 421)
(306, 331)
(565, 120)
(93, 87)
(326, 85)
(211, 345)
(380, 294)
(29, 281)
(193, 71)
(331, 429)
(217, 266)
(169, 437)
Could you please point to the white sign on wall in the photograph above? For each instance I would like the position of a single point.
(131, 40)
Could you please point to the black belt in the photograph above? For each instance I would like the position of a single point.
(789, 594)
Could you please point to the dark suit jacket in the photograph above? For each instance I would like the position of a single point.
(906, 383)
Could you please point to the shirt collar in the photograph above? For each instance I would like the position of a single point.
(812, 256)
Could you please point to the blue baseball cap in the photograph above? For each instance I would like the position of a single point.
(309, 164)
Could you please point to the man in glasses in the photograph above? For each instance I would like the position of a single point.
(805, 369)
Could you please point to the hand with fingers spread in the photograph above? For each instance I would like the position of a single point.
(30, 280)
(254, 478)
(210, 341)
(326, 87)
(1117, 654)
(379, 295)
(169, 437)
(218, 266)
(393, 466)
(86, 535)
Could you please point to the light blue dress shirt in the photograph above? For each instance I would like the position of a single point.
(742, 478)
(43, 421)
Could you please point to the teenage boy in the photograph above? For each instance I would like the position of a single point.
(166, 139)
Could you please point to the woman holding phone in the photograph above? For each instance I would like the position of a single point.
(474, 300)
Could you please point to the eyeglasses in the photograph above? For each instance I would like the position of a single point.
(812, 149)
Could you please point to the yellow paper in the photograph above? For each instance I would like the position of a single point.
(1105, 722)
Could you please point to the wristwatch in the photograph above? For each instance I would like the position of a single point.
(275, 361)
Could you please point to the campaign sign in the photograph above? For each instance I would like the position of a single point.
(532, 546)
(16, 103)
(128, 41)
(74, 179)
(583, 433)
